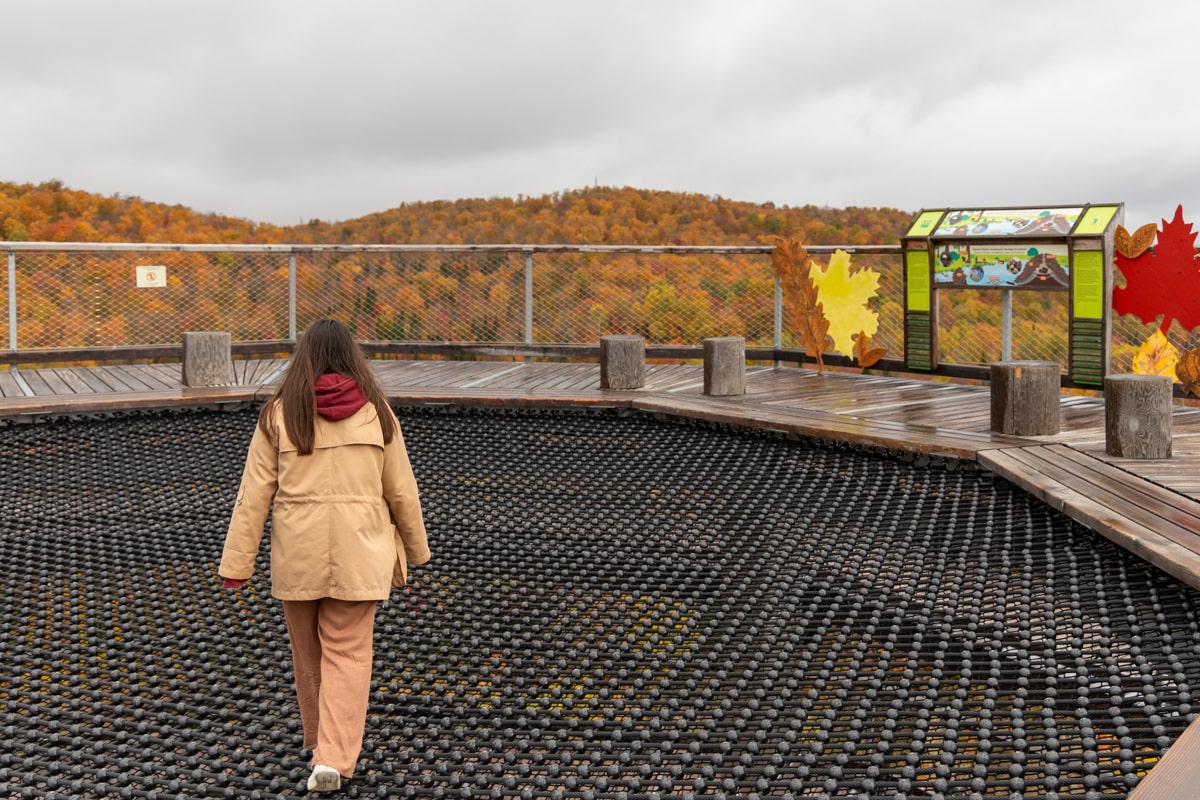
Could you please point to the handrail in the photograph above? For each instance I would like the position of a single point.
(158, 247)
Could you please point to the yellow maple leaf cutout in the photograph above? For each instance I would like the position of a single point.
(844, 295)
(1156, 356)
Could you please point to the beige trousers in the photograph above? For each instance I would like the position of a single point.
(331, 654)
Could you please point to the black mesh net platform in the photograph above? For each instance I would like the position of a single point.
(618, 607)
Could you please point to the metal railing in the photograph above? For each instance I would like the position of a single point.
(88, 299)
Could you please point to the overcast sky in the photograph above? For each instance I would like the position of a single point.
(285, 111)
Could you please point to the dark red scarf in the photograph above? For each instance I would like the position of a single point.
(338, 397)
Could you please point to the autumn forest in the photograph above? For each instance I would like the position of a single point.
(51, 212)
(85, 302)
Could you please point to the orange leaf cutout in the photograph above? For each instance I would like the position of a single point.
(1133, 246)
(1156, 356)
(1188, 371)
(865, 354)
(792, 266)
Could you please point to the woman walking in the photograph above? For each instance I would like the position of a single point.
(346, 523)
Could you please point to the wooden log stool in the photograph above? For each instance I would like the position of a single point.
(1025, 397)
(724, 366)
(622, 362)
(206, 359)
(1137, 416)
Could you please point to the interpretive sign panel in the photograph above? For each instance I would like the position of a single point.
(1009, 222)
(1000, 266)
(1058, 248)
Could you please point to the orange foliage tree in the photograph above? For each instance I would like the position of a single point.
(87, 301)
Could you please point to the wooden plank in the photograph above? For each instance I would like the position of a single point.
(119, 382)
(122, 401)
(669, 377)
(88, 375)
(266, 367)
(491, 378)
(273, 371)
(111, 383)
(1157, 497)
(9, 386)
(1136, 500)
(884, 400)
(464, 375)
(248, 366)
(923, 430)
(518, 398)
(433, 373)
(1054, 486)
(504, 379)
(427, 373)
(825, 426)
(54, 384)
(1177, 775)
(171, 375)
(76, 383)
(37, 383)
(584, 380)
(147, 375)
(575, 373)
(253, 366)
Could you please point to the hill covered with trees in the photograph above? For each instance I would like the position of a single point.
(87, 301)
(53, 212)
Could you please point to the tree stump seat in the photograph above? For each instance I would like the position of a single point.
(622, 362)
(1137, 416)
(206, 359)
(1025, 397)
(724, 366)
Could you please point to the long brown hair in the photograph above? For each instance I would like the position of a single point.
(327, 346)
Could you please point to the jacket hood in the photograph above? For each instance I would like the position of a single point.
(338, 397)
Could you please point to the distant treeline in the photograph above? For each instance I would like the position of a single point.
(53, 212)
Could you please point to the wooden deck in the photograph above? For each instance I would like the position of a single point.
(1151, 508)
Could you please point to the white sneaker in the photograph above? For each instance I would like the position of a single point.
(324, 779)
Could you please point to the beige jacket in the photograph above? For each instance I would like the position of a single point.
(347, 519)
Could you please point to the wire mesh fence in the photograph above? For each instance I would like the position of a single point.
(93, 296)
(83, 299)
(667, 298)
(112, 299)
(971, 329)
(442, 296)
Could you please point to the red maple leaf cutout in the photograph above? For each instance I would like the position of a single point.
(1164, 281)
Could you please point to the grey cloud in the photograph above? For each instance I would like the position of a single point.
(281, 111)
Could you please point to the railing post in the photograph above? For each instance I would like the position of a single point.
(292, 298)
(528, 296)
(778, 318)
(1006, 326)
(12, 301)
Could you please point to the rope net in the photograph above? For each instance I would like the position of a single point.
(619, 608)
